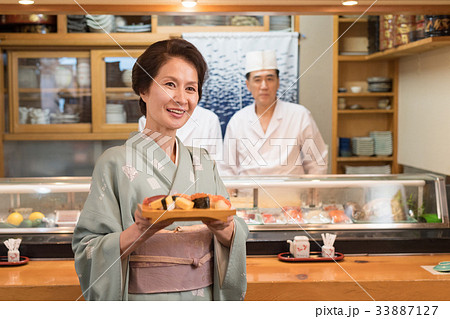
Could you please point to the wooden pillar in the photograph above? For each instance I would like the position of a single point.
(2, 117)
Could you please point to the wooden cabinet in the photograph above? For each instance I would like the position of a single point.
(49, 91)
(356, 114)
(353, 70)
(159, 31)
(116, 105)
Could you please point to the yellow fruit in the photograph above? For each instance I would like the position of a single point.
(15, 219)
(36, 215)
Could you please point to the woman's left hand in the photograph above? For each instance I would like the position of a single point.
(222, 230)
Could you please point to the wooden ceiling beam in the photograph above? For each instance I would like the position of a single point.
(221, 9)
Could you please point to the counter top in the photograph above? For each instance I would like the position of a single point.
(40, 280)
(354, 278)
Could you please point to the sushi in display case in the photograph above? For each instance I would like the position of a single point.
(369, 213)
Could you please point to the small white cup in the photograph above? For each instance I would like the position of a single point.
(328, 251)
(356, 89)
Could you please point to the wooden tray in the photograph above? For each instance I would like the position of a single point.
(188, 215)
(4, 261)
(313, 256)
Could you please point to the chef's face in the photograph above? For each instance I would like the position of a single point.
(263, 85)
(171, 103)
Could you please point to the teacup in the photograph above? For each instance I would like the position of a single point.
(356, 89)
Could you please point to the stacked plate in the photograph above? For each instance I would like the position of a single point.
(61, 118)
(383, 169)
(245, 21)
(100, 23)
(363, 146)
(115, 114)
(113, 74)
(383, 142)
(379, 84)
(209, 20)
(134, 28)
(76, 23)
(280, 23)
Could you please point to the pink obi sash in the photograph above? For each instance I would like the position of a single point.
(172, 261)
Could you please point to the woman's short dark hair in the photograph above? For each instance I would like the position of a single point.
(150, 62)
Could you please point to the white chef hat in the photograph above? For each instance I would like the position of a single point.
(260, 60)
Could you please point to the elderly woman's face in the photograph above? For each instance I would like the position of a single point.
(172, 96)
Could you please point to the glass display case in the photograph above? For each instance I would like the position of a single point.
(369, 214)
(43, 212)
(340, 201)
(36, 205)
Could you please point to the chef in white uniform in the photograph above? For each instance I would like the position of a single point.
(270, 136)
(201, 130)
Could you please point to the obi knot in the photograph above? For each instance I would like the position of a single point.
(196, 262)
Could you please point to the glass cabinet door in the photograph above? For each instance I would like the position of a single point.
(118, 109)
(51, 91)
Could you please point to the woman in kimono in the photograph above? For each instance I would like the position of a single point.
(119, 254)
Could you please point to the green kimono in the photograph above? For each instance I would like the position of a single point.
(122, 178)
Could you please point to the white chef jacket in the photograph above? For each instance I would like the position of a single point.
(291, 145)
(201, 130)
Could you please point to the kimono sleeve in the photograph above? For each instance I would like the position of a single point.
(230, 278)
(96, 237)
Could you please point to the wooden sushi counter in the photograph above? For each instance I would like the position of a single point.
(353, 278)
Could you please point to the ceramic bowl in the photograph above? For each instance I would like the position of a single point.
(356, 89)
(126, 78)
(63, 76)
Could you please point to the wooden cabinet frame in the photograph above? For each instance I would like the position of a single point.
(14, 91)
(2, 111)
(98, 70)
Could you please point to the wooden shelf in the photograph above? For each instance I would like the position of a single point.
(365, 159)
(119, 90)
(55, 90)
(120, 93)
(352, 58)
(122, 96)
(368, 111)
(365, 94)
(88, 40)
(351, 20)
(412, 48)
(66, 136)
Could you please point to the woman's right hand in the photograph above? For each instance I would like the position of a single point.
(140, 231)
(146, 226)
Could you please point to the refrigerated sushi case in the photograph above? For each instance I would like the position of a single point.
(369, 213)
(42, 212)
